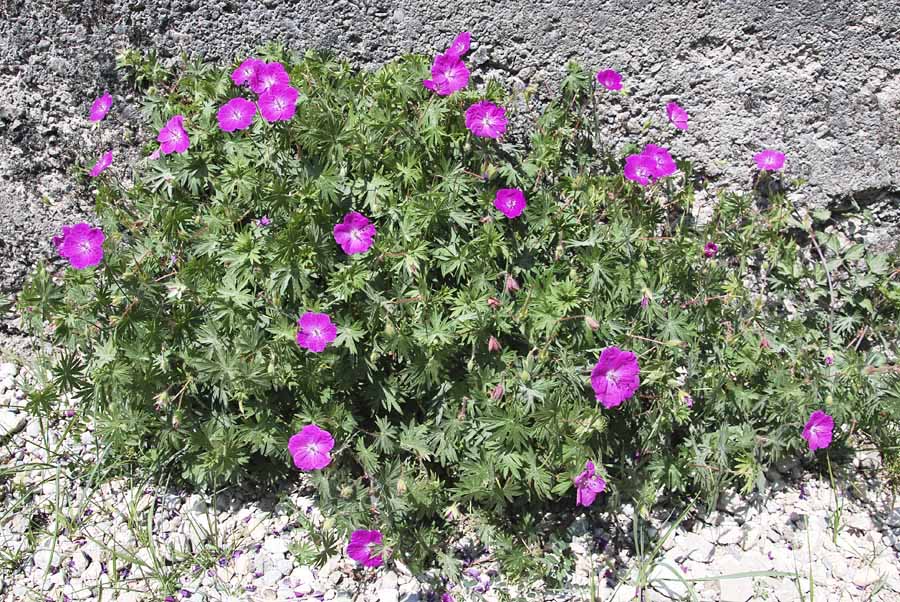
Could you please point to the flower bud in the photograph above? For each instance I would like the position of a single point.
(510, 285)
(591, 323)
(493, 302)
(493, 344)
(497, 392)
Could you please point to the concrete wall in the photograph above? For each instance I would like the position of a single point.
(818, 79)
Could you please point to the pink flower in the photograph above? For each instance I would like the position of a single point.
(155, 154)
(663, 164)
(510, 202)
(278, 103)
(81, 244)
(448, 598)
(355, 234)
(264, 221)
(102, 163)
(363, 547)
(460, 45)
(236, 114)
(101, 106)
(829, 360)
(247, 71)
(486, 120)
(310, 448)
(429, 85)
(609, 79)
(711, 249)
(510, 285)
(493, 302)
(687, 400)
(493, 344)
(677, 116)
(588, 485)
(640, 169)
(315, 332)
(769, 160)
(818, 430)
(268, 76)
(615, 377)
(497, 392)
(173, 138)
(448, 74)
(645, 301)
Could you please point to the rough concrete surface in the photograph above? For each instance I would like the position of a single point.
(819, 79)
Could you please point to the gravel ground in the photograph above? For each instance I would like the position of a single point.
(68, 532)
(816, 79)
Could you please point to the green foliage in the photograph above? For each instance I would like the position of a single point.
(182, 342)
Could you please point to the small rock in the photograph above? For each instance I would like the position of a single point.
(865, 577)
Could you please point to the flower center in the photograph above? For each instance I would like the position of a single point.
(355, 234)
(279, 104)
(236, 115)
(449, 74)
(175, 135)
(613, 377)
(84, 246)
(487, 121)
(511, 203)
(316, 332)
(312, 448)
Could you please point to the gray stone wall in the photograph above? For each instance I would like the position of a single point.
(817, 79)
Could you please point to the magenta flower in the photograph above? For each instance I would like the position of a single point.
(460, 45)
(264, 221)
(268, 76)
(510, 202)
(769, 160)
(609, 79)
(663, 164)
(173, 138)
(677, 116)
(711, 249)
(818, 430)
(363, 547)
(102, 163)
(429, 85)
(448, 74)
(829, 360)
(486, 120)
(615, 377)
(279, 103)
(687, 400)
(81, 244)
(588, 485)
(355, 234)
(315, 332)
(448, 598)
(236, 114)
(247, 71)
(640, 169)
(310, 448)
(101, 106)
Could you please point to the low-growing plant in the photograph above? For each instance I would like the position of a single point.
(457, 387)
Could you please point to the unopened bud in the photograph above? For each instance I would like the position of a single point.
(493, 302)
(493, 344)
(511, 284)
(591, 323)
(497, 392)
